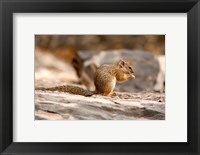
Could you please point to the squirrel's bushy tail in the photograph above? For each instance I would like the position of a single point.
(69, 89)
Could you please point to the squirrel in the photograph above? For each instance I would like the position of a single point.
(105, 79)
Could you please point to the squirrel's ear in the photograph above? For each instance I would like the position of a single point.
(121, 63)
(129, 63)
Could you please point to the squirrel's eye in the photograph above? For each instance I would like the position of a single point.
(129, 67)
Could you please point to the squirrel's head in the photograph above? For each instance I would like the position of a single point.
(127, 68)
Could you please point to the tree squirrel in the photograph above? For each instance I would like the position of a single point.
(105, 79)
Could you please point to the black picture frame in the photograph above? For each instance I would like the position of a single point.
(8, 7)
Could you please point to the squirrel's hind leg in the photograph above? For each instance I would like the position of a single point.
(112, 94)
(106, 94)
(108, 91)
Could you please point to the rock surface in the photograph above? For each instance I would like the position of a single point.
(126, 106)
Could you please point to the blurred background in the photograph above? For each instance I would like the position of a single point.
(72, 59)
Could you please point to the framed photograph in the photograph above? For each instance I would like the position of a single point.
(99, 77)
